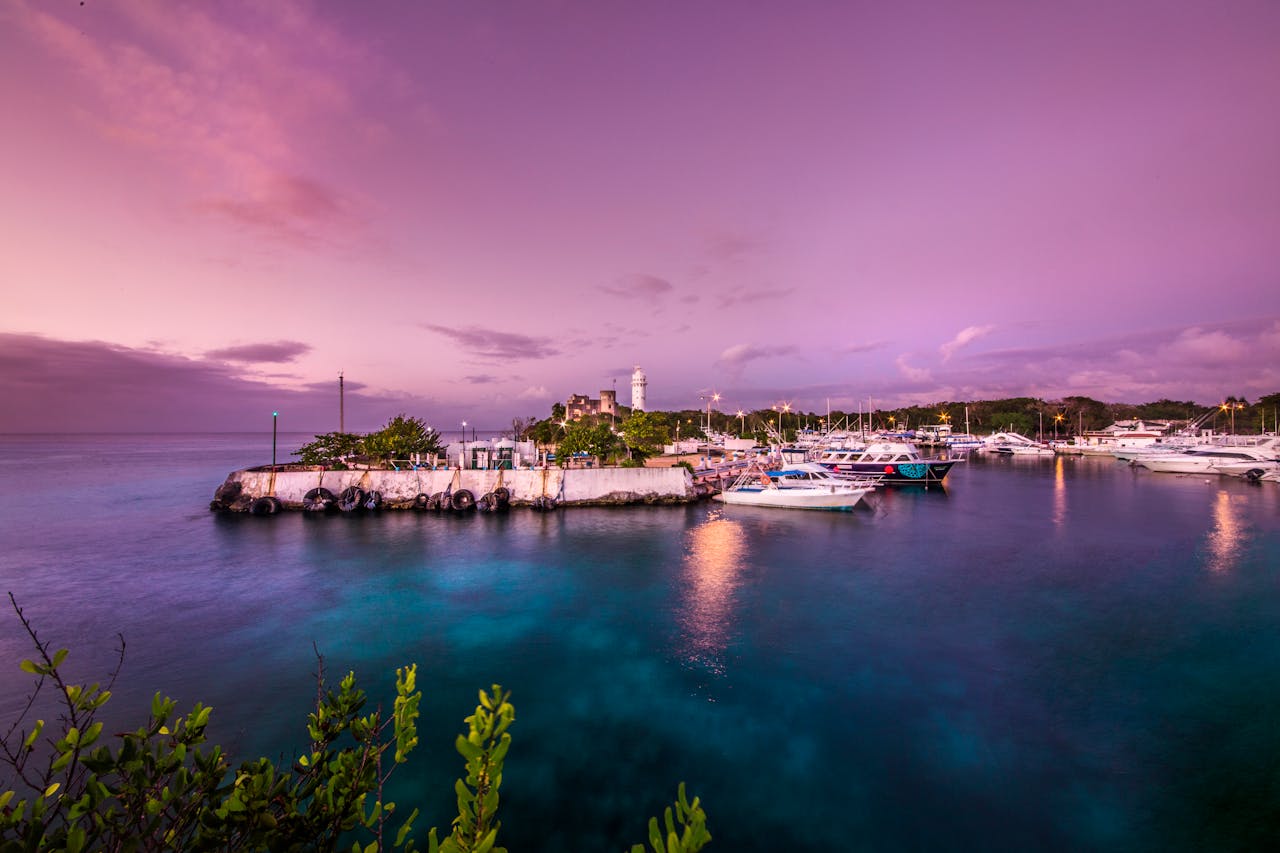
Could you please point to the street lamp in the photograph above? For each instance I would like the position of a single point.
(1057, 419)
(462, 462)
(742, 423)
(274, 416)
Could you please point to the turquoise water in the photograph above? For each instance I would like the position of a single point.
(1061, 654)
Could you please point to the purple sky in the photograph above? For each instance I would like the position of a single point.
(475, 209)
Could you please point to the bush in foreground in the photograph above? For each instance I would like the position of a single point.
(163, 787)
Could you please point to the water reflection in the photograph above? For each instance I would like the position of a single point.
(712, 566)
(1059, 493)
(1226, 539)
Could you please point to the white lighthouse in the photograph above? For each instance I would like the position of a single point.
(638, 384)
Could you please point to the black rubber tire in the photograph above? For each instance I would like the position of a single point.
(1254, 474)
(265, 506)
(372, 500)
(437, 502)
(351, 499)
(422, 501)
(318, 500)
(486, 503)
(503, 496)
(462, 501)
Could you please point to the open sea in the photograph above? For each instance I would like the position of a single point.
(1064, 654)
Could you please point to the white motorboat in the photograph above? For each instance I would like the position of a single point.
(962, 441)
(1014, 444)
(1210, 459)
(1250, 470)
(802, 486)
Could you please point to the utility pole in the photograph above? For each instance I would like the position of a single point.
(342, 405)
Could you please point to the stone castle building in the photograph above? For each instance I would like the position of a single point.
(580, 404)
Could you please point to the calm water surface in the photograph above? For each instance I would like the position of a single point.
(1061, 654)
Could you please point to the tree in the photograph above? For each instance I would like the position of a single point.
(401, 438)
(331, 449)
(582, 436)
(643, 434)
(162, 787)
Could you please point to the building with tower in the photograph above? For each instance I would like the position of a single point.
(638, 385)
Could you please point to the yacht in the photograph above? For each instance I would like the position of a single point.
(896, 462)
(1014, 444)
(1213, 459)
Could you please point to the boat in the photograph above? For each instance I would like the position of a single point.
(1249, 469)
(1014, 444)
(1213, 459)
(806, 485)
(962, 441)
(896, 462)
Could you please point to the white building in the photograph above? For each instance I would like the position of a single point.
(638, 385)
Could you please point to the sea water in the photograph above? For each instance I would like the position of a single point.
(1058, 654)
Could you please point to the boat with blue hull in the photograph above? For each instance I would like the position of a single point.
(895, 462)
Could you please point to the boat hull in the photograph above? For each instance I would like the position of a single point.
(793, 498)
(899, 473)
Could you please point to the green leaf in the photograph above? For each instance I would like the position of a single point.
(30, 666)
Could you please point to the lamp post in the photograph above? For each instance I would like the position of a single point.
(1057, 419)
(742, 423)
(462, 461)
(274, 417)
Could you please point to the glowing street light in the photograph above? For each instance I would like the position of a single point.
(742, 423)
(1057, 419)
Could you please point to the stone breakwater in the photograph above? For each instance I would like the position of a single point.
(410, 489)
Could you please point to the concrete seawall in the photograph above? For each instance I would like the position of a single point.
(575, 486)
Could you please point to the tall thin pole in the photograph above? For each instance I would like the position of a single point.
(274, 417)
(342, 405)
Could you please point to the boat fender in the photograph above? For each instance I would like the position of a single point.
(502, 495)
(1254, 474)
(351, 499)
(265, 506)
(462, 500)
(437, 502)
(318, 500)
(422, 501)
(372, 500)
(486, 503)
(544, 504)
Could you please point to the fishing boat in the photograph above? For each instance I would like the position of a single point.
(803, 486)
(895, 462)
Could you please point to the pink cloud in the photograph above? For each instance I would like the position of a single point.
(963, 338)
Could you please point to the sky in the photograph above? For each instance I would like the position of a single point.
(475, 209)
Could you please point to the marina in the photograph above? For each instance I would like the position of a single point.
(1066, 653)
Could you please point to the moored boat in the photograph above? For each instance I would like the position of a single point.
(803, 486)
(1213, 459)
(895, 462)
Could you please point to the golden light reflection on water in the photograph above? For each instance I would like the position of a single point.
(713, 563)
(1226, 539)
(1059, 493)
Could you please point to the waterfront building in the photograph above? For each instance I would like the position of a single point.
(638, 385)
